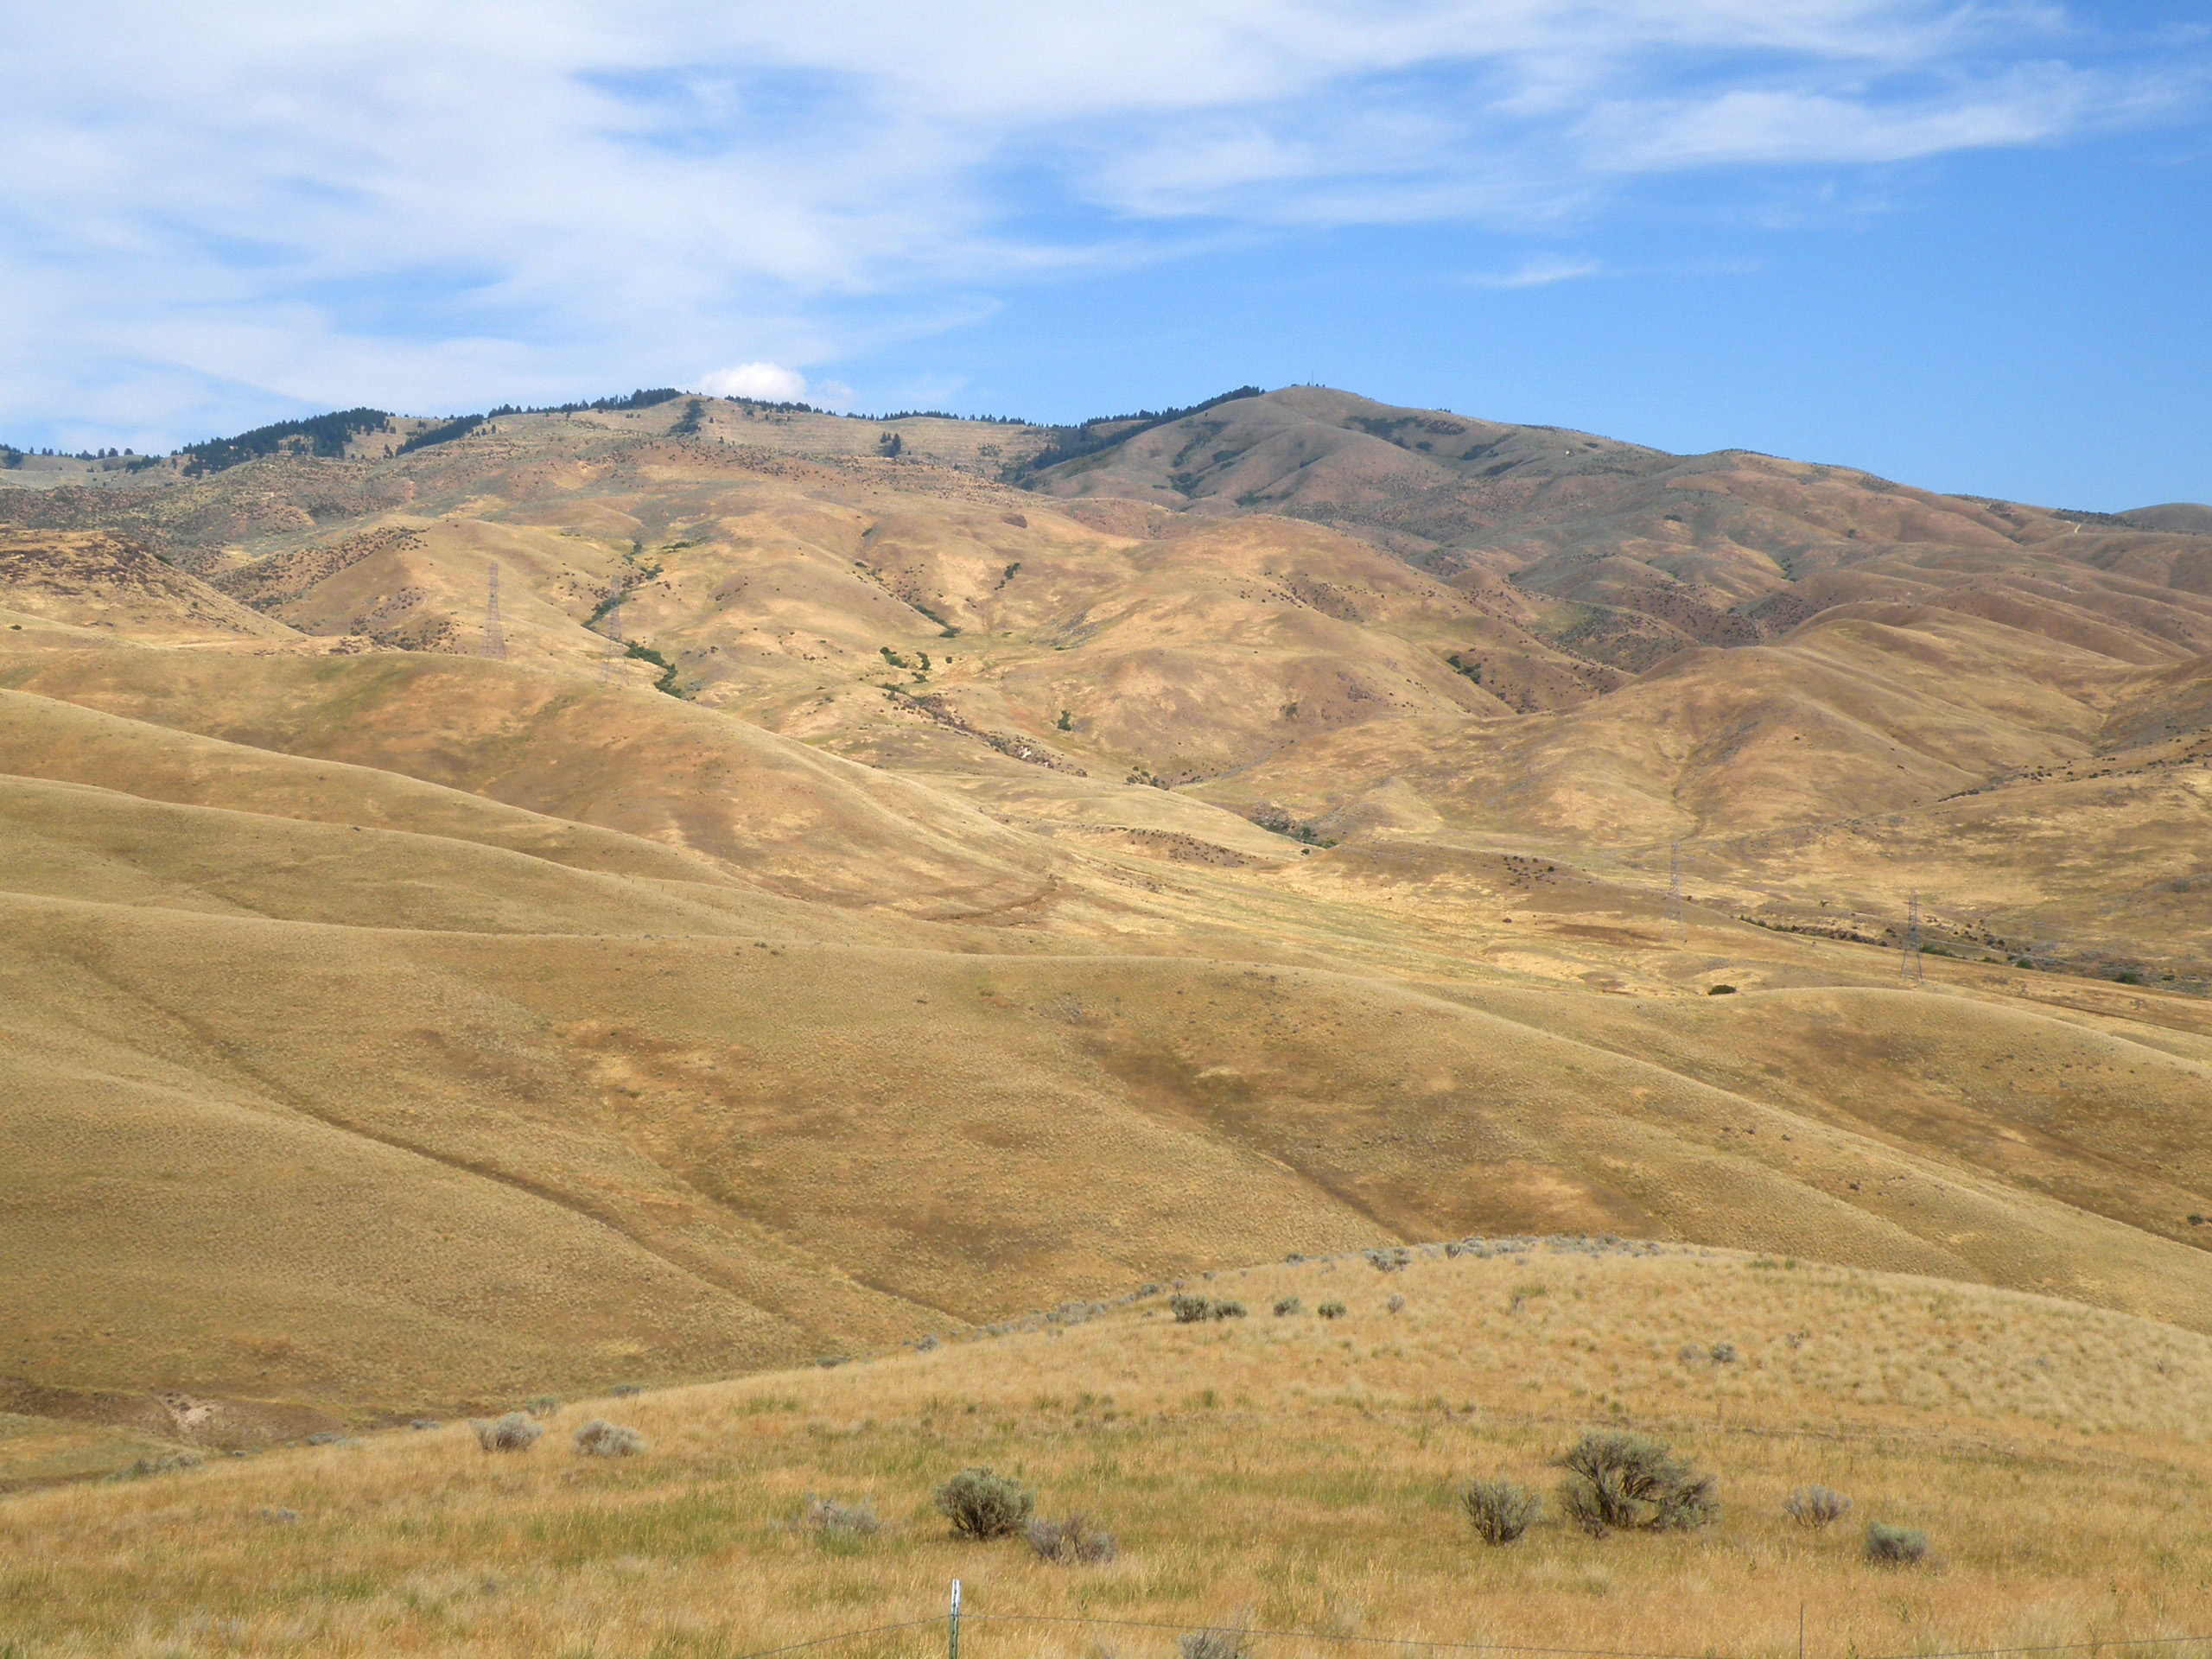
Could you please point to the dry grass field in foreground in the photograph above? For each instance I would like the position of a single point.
(1294, 1471)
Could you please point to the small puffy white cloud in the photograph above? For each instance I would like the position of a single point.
(768, 382)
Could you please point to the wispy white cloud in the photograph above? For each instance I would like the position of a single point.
(1539, 273)
(221, 212)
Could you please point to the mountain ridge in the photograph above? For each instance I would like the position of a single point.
(864, 897)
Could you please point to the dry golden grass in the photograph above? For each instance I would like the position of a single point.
(400, 1152)
(255, 1045)
(393, 1029)
(1296, 1471)
(91, 588)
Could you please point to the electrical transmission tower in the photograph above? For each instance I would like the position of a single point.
(495, 642)
(614, 652)
(1908, 957)
(1674, 890)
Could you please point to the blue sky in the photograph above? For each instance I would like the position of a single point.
(1964, 245)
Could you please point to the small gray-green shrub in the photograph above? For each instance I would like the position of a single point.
(1815, 1507)
(1895, 1546)
(982, 1504)
(1331, 1310)
(600, 1439)
(1197, 1310)
(165, 1463)
(512, 1432)
(1070, 1542)
(1500, 1511)
(1222, 1641)
(1286, 1306)
(828, 1519)
(1624, 1481)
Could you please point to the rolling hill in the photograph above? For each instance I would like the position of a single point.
(872, 893)
(1292, 1475)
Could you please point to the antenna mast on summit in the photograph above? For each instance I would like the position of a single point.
(1674, 890)
(607, 669)
(1909, 956)
(495, 642)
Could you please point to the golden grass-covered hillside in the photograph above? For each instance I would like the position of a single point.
(864, 892)
(1288, 1472)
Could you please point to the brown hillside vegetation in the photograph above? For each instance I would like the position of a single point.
(1282, 1471)
(1039, 862)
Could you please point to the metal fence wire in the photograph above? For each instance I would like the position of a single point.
(954, 1621)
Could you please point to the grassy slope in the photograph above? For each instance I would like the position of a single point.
(927, 1043)
(864, 1140)
(1296, 1472)
(793, 820)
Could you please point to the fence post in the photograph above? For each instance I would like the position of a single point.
(952, 1624)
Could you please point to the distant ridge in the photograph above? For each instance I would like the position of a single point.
(2183, 517)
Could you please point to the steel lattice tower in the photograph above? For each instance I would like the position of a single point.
(1909, 956)
(607, 669)
(1674, 890)
(495, 642)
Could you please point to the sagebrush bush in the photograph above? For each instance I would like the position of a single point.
(600, 1439)
(1071, 1542)
(982, 1504)
(1222, 1641)
(1500, 1511)
(1895, 1546)
(165, 1463)
(1620, 1481)
(1331, 1310)
(512, 1432)
(830, 1519)
(1196, 1310)
(1287, 1305)
(1816, 1506)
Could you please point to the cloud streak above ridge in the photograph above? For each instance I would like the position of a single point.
(237, 211)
